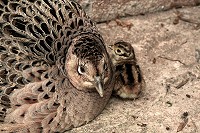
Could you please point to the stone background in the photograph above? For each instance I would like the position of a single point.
(105, 10)
(167, 46)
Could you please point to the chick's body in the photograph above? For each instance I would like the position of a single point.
(129, 79)
(55, 73)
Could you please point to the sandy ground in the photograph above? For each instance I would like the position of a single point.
(169, 56)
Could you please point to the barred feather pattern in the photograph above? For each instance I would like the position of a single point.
(35, 94)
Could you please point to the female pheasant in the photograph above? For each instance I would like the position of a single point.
(55, 72)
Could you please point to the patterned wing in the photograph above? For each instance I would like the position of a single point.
(35, 36)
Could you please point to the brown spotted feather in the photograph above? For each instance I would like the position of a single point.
(36, 92)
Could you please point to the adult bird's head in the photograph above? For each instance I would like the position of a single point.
(88, 65)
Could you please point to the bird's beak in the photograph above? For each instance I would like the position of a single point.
(98, 85)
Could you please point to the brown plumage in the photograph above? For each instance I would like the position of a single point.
(129, 80)
(55, 73)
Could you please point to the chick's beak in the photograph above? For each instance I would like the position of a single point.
(98, 83)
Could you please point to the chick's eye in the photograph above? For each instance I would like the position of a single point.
(118, 51)
(81, 69)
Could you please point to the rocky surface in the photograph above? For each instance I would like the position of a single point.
(167, 46)
(105, 10)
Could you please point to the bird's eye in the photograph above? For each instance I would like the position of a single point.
(118, 51)
(81, 69)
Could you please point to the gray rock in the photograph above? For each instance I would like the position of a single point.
(104, 10)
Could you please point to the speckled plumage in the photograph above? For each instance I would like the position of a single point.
(47, 50)
(129, 80)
